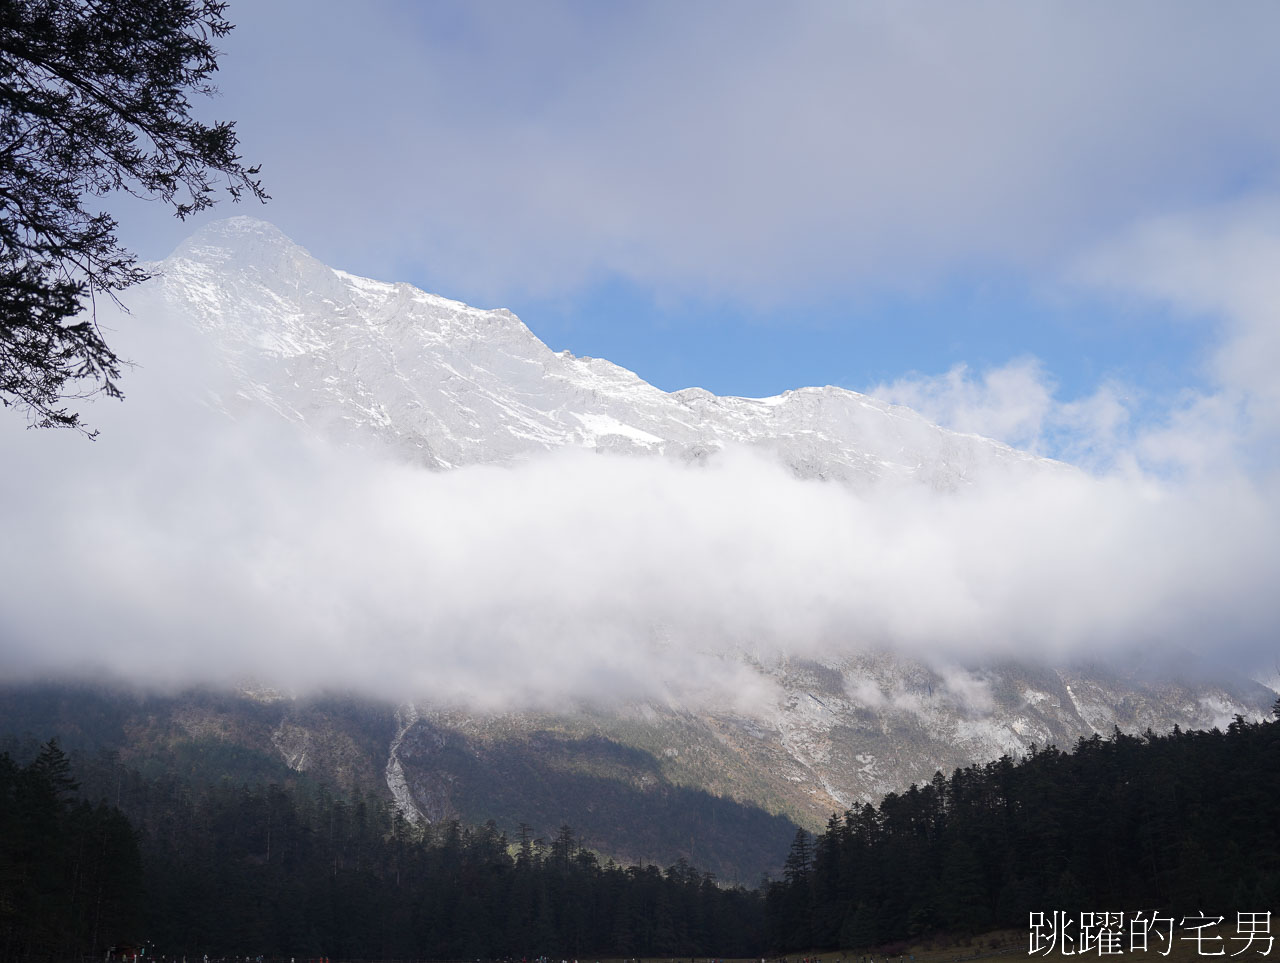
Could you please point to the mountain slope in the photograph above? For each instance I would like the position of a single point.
(449, 385)
(446, 386)
(615, 796)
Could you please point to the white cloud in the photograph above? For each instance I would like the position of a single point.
(1218, 265)
(1010, 403)
(1017, 403)
(746, 150)
(184, 546)
(1217, 268)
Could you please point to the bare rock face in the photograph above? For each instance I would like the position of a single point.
(847, 733)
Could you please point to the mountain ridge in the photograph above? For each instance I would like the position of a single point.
(457, 385)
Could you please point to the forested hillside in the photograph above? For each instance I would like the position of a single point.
(623, 800)
(1181, 823)
(298, 871)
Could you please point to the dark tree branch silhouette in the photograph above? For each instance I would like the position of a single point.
(94, 98)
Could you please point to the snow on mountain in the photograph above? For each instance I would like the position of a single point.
(448, 385)
(848, 731)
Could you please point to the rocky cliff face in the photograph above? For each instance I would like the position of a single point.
(850, 732)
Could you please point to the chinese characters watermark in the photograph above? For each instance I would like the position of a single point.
(1117, 934)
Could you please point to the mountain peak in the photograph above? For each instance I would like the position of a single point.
(239, 226)
(238, 238)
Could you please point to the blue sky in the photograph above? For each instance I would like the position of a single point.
(874, 338)
(751, 197)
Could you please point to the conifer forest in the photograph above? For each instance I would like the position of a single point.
(93, 854)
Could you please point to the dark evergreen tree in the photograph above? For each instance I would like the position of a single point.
(94, 99)
(70, 874)
(1182, 822)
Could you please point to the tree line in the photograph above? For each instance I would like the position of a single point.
(1182, 822)
(300, 872)
(70, 872)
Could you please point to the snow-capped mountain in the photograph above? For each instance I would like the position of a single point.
(450, 385)
(446, 385)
